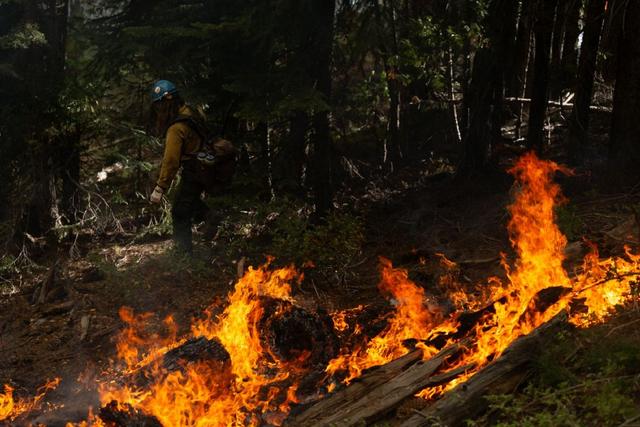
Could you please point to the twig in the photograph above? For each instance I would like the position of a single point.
(629, 421)
(603, 281)
(622, 326)
(558, 104)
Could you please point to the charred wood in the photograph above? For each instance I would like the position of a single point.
(503, 375)
(377, 392)
(118, 415)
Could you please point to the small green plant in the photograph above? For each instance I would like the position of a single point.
(331, 246)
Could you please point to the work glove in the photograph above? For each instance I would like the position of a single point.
(156, 196)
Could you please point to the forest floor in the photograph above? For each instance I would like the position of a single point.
(408, 219)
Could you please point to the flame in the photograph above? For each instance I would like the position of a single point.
(539, 245)
(10, 408)
(411, 320)
(255, 386)
(209, 395)
(136, 347)
(605, 284)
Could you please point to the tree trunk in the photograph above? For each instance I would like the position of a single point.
(521, 51)
(292, 160)
(625, 128)
(556, 49)
(611, 33)
(393, 154)
(579, 121)
(505, 24)
(70, 171)
(486, 92)
(540, 91)
(477, 141)
(378, 392)
(322, 142)
(569, 62)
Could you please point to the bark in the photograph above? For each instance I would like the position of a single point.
(556, 49)
(579, 121)
(297, 150)
(521, 48)
(625, 126)
(569, 62)
(540, 90)
(485, 97)
(501, 376)
(378, 392)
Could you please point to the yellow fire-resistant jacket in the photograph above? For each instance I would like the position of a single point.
(182, 140)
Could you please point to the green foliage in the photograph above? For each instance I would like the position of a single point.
(24, 37)
(593, 384)
(333, 245)
(283, 229)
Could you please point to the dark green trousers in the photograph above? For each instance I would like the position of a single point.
(187, 208)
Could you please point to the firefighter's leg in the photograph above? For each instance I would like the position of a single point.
(186, 202)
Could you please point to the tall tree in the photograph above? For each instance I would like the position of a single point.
(543, 29)
(322, 36)
(486, 91)
(579, 120)
(625, 128)
(569, 62)
(521, 49)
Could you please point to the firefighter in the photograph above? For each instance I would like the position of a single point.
(170, 118)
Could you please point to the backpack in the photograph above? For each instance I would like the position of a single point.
(214, 163)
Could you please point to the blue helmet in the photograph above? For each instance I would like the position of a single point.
(162, 88)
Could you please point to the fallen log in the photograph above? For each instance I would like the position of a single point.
(501, 376)
(118, 415)
(377, 392)
(296, 334)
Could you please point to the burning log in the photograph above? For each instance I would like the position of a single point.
(295, 334)
(378, 391)
(501, 376)
(115, 415)
(195, 350)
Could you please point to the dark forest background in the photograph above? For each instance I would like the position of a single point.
(321, 96)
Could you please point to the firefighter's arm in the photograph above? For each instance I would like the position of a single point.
(172, 156)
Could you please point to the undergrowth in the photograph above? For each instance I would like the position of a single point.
(591, 378)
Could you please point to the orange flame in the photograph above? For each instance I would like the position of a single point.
(256, 386)
(10, 408)
(209, 395)
(539, 245)
(411, 320)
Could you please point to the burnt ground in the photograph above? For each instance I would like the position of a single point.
(409, 219)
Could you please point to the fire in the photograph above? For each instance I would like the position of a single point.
(12, 408)
(411, 320)
(209, 395)
(255, 385)
(136, 348)
(605, 284)
(539, 245)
